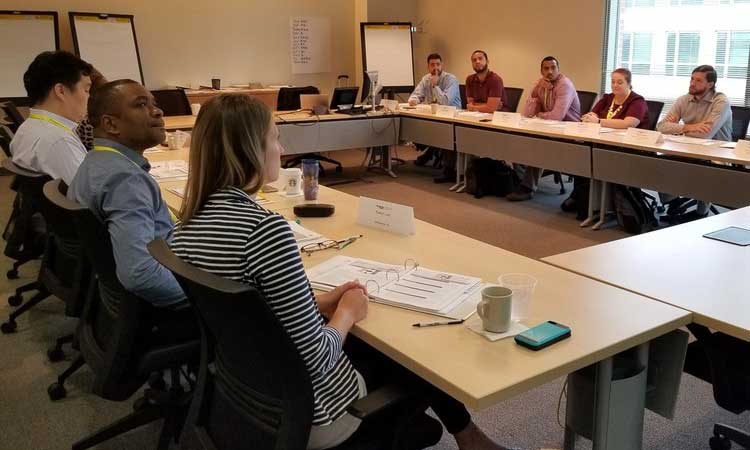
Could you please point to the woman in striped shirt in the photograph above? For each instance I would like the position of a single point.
(234, 151)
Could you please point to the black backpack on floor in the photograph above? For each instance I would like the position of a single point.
(486, 176)
(635, 213)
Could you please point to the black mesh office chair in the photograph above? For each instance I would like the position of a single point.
(65, 271)
(173, 102)
(462, 93)
(288, 100)
(25, 232)
(5, 137)
(12, 115)
(257, 394)
(654, 111)
(122, 344)
(740, 122)
(513, 96)
(723, 361)
(586, 98)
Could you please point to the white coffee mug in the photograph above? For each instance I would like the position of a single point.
(495, 308)
(293, 181)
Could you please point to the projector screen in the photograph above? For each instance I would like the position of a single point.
(25, 34)
(108, 42)
(387, 48)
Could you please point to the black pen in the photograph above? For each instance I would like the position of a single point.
(435, 324)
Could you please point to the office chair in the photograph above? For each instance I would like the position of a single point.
(65, 271)
(173, 102)
(288, 100)
(654, 112)
(740, 122)
(586, 99)
(723, 361)
(25, 233)
(122, 344)
(14, 117)
(514, 98)
(5, 137)
(462, 93)
(257, 394)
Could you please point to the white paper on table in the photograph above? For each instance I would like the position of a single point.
(688, 140)
(446, 111)
(728, 145)
(304, 236)
(642, 137)
(178, 191)
(423, 108)
(475, 114)
(474, 323)
(155, 149)
(386, 216)
(507, 119)
(607, 130)
(582, 129)
(169, 170)
(544, 123)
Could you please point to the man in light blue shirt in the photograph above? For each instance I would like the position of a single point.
(435, 87)
(114, 183)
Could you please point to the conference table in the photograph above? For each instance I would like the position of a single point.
(462, 363)
(693, 168)
(680, 267)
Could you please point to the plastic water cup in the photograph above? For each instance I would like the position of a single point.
(522, 286)
(310, 179)
(195, 108)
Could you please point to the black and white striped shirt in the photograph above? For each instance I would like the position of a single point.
(234, 237)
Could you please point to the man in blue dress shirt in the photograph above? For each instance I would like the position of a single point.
(114, 183)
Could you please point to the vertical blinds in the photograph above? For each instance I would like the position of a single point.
(662, 41)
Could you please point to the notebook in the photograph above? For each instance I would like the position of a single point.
(407, 286)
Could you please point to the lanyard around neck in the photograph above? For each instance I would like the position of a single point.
(48, 119)
(104, 148)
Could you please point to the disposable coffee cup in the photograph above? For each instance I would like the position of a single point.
(195, 108)
(293, 181)
(495, 308)
(433, 108)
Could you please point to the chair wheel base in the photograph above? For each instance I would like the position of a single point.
(8, 327)
(719, 443)
(12, 274)
(55, 354)
(56, 391)
(15, 300)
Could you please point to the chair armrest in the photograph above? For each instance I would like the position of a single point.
(379, 400)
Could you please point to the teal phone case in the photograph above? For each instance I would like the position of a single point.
(543, 335)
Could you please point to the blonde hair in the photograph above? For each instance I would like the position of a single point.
(227, 149)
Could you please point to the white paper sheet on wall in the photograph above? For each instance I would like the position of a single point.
(310, 39)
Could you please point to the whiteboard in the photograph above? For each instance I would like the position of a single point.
(387, 48)
(25, 35)
(108, 42)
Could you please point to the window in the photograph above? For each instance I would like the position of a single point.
(662, 41)
(636, 52)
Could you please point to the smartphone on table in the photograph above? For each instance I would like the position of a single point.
(543, 335)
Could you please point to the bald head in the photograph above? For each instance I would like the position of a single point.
(124, 111)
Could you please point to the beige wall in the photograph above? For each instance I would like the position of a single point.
(189, 41)
(517, 34)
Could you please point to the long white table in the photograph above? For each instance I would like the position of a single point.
(680, 267)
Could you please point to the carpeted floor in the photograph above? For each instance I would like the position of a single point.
(28, 420)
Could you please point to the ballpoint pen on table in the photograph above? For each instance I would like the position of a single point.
(435, 324)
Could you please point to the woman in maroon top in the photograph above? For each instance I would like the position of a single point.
(623, 108)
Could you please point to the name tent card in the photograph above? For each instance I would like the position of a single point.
(389, 105)
(387, 216)
(446, 111)
(507, 119)
(582, 129)
(643, 137)
(742, 148)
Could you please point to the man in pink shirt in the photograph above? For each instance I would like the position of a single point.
(553, 98)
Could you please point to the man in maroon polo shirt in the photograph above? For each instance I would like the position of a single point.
(484, 88)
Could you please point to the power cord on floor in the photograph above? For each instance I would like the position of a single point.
(563, 391)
